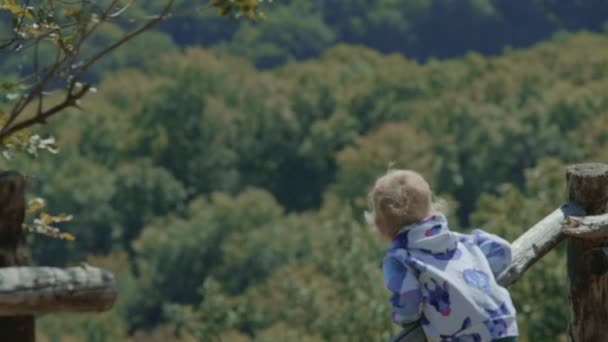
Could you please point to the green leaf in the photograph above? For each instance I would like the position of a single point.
(35, 204)
(15, 9)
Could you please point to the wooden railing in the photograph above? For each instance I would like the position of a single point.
(587, 267)
(26, 291)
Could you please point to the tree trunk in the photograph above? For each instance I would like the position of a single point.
(13, 250)
(587, 263)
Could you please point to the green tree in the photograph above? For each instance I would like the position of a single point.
(68, 187)
(176, 255)
(144, 192)
(69, 32)
(291, 33)
(394, 145)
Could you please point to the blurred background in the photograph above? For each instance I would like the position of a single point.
(222, 167)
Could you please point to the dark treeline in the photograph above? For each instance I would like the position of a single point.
(420, 29)
(302, 29)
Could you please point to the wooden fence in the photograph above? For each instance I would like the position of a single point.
(583, 221)
(26, 291)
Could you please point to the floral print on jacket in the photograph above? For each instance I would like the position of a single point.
(447, 282)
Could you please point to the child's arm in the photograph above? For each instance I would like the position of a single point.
(406, 297)
(496, 249)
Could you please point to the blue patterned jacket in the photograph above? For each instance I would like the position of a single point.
(446, 281)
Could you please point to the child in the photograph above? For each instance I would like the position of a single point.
(443, 280)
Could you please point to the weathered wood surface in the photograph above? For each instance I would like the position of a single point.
(536, 242)
(589, 227)
(526, 250)
(25, 291)
(587, 264)
(38, 290)
(13, 250)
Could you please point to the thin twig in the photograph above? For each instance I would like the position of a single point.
(69, 101)
(71, 98)
(38, 88)
(8, 43)
(36, 71)
(126, 38)
(24, 101)
(121, 11)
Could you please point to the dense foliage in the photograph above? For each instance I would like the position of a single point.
(229, 200)
(225, 185)
(302, 29)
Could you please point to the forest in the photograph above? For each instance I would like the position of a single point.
(222, 167)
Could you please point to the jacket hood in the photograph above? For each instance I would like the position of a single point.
(429, 235)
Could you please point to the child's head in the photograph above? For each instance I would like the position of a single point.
(399, 198)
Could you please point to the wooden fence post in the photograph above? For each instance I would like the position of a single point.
(587, 186)
(13, 250)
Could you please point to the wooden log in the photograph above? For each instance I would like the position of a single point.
(587, 264)
(39, 290)
(536, 242)
(13, 249)
(589, 227)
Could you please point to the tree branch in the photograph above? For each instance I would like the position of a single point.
(69, 101)
(42, 115)
(126, 38)
(24, 101)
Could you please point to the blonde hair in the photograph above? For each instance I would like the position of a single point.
(398, 199)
